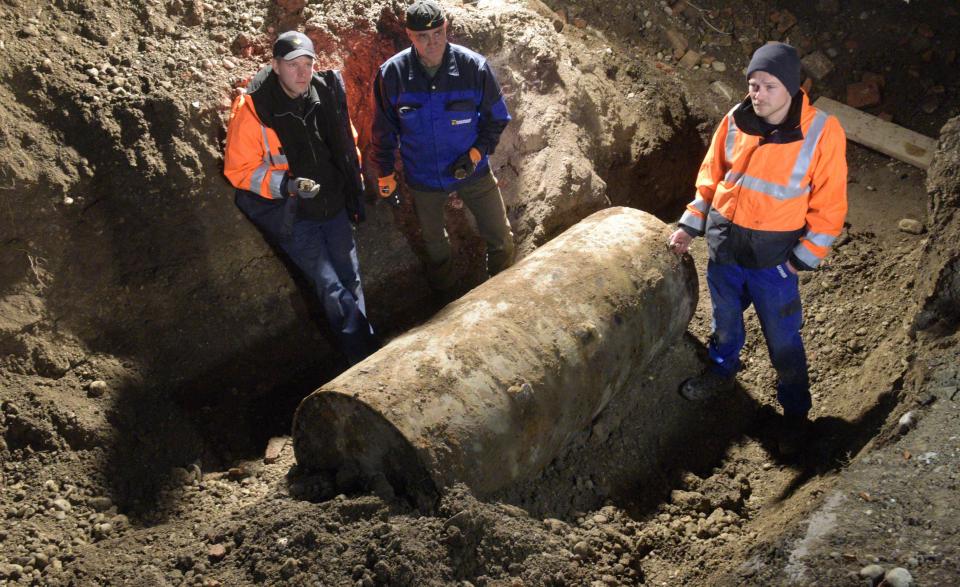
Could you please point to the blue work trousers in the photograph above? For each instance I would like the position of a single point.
(327, 254)
(775, 295)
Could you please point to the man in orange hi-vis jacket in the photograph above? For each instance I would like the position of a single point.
(291, 155)
(771, 198)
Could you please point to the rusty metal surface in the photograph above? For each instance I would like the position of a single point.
(490, 389)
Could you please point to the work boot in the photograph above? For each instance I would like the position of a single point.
(793, 435)
(706, 386)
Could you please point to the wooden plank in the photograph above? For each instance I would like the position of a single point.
(888, 138)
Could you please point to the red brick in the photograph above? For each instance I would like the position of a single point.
(863, 94)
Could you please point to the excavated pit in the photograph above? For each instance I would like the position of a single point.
(123, 262)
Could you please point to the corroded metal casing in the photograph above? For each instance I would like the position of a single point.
(493, 387)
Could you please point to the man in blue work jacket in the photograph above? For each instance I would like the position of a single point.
(442, 106)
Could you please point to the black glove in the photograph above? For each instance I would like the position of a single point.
(463, 167)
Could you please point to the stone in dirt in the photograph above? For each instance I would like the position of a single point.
(911, 226)
(690, 59)
(216, 552)
(677, 41)
(863, 94)
(274, 448)
(898, 577)
(817, 65)
(97, 388)
(723, 90)
(872, 572)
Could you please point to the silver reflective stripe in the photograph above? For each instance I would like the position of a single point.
(700, 204)
(732, 176)
(275, 179)
(693, 221)
(256, 179)
(731, 135)
(279, 159)
(820, 239)
(778, 191)
(267, 157)
(803, 253)
(793, 189)
(805, 156)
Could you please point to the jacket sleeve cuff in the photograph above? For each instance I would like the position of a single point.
(691, 231)
(798, 264)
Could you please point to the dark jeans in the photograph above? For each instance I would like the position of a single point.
(326, 253)
(775, 294)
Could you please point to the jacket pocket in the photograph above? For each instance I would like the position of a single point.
(410, 115)
(461, 115)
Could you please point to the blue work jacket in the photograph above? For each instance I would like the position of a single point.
(434, 122)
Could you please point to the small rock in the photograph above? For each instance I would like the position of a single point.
(690, 499)
(817, 65)
(898, 577)
(930, 104)
(97, 388)
(216, 552)
(719, 66)
(906, 422)
(51, 486)
(10, 571)
(102, 530)
(875, 78)
(722, 89)
(872, 572)
(274, 448)
(911, 226)
(100, 504)
(863, 94)
(554, 525)
(62, 505)
(583, 550)
(677, 41)
(30, 31)
(787, 20)
(238, 473)
(290, 568)
(689, 59)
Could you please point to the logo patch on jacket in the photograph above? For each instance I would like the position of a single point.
(459, 121)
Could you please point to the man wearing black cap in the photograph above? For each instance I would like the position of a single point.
(442, 106)
(771, 198)
(291, 155)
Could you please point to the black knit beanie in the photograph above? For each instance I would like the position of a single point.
(779, 60)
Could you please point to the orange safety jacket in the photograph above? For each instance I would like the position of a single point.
(770, 194)
(255, 160)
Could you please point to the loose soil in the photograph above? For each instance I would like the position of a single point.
(151, 345)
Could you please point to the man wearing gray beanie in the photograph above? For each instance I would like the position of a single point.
(771, 197)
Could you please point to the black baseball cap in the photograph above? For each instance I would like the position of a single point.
(424, 15)
(293, 44)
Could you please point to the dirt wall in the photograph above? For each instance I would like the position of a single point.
(119, 228)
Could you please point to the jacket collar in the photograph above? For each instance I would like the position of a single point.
(788, 131)
(449, 63)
